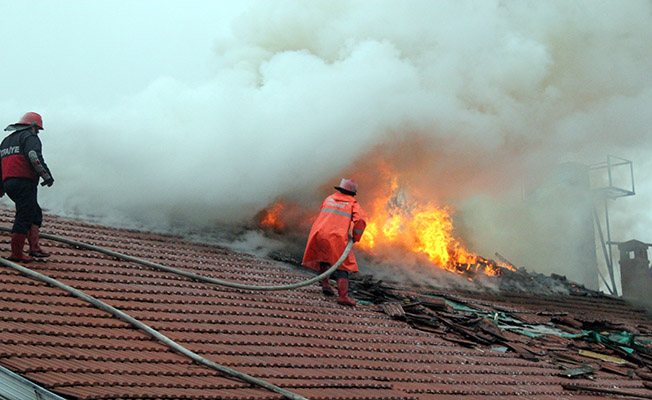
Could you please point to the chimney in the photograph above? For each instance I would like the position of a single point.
(635, 276)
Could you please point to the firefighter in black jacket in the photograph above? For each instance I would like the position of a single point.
(22, 166)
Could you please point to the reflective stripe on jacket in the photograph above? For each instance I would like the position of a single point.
(340, 215)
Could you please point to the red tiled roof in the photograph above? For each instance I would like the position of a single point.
(297, 339)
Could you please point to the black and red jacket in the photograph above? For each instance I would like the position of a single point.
(21, 156)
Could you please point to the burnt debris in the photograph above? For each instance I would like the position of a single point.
(579, 347)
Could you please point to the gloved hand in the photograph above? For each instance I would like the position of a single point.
(48, 182)
(2, 193)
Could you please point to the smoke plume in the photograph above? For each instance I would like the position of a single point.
(473, 103)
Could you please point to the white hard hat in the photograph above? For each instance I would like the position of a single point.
(349, 185)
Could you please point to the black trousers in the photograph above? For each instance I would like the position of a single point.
(23, 192)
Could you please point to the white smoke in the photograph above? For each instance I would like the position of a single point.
(484, 95)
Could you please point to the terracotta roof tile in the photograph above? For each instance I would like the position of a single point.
(296, 339)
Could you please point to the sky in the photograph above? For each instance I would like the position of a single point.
(166, 113)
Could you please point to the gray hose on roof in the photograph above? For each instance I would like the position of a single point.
(197, 277)
(150, 331)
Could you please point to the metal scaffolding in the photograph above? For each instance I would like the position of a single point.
(611, 180)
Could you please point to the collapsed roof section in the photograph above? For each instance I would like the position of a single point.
(402, 343)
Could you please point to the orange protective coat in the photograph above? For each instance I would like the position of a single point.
(339, 216)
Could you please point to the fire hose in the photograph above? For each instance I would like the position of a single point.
(197, 277)
(154, 333)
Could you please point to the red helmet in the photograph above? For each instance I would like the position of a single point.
(31, 118)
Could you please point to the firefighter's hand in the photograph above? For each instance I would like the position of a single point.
(48, 182)
(2, 193)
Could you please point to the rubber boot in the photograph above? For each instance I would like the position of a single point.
(17, 243)
(343, 291)
(326, 288)
(35, 249)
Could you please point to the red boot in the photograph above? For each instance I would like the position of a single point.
(17, 243)
(325, 283)
(35, 249)
(343, 291)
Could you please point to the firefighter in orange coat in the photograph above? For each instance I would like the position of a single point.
(340, 217)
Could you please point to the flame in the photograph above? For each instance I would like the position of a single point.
(271, 218)
(395, 224)
(284, 216)
(394, 221)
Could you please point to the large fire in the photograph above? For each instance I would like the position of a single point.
(396, 224)
(394, 221)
